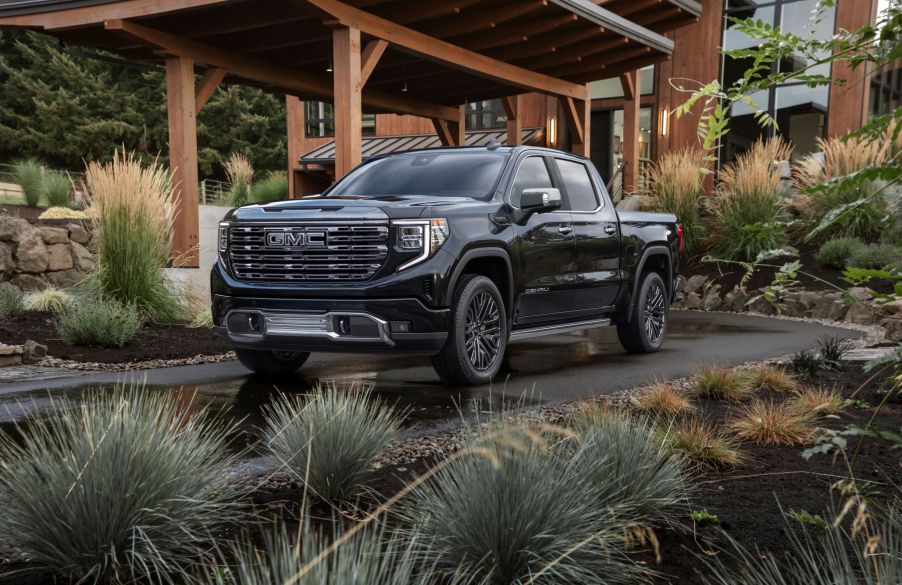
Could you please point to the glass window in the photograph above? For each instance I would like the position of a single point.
(532, 174)
(801, 116)
(319, 121)
(432, 174)
(611, 88)
(644, 136)
(578, 184)
(486, 115)
(795, 17)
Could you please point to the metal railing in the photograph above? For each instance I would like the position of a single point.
(615, 184)
(213, 192)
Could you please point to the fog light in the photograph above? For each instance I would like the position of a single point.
(343, 325)
(400, 326)
(255, 322)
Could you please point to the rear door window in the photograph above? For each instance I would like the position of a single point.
(581, 194)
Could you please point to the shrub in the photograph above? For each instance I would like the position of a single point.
(817, 401)
(723, 383)
(748, 210)
(29, 174)
(664, 398)
(768, 423)
(703, 445)
(877, 257)
(807, 363)
(56, 189)
(331, 437)
(273, 188)
(11, 304)
(50, 299)
(836, 253)
(103, 323)
(120, 487)
(511, 510)
(62, 213)
(132, 212)
(240, 174)
(832, 350)
(676, 184)
(775, 379)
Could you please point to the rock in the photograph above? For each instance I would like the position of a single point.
(31, 253)
(52, 235)
(892, 327)
(694, 283)
(11, 227)
(692, 301)
(862, 313)
(77, 233)
(763, 306)
(33, 352)
(711, 301)
(792, 305)
(735, 299)
(859, 293)
(8, 286)
(7, 264)
(28, 282)
(59, 257)
(807, 301)
(10, 355)
(829, 306)
(82, 258)
(64, 278)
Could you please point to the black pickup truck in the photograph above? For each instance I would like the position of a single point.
(451, 253)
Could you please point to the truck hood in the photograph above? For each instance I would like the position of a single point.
(348, 207)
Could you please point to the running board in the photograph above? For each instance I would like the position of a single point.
(522, 334)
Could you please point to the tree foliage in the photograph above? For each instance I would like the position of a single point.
(71, 106)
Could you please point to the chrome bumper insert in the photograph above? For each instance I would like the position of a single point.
(339, 326)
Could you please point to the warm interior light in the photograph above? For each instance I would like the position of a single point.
(665, 120)
(552, 130)
(329, 67)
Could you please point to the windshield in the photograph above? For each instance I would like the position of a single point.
(442, 174)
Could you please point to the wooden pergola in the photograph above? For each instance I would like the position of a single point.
(414, 57)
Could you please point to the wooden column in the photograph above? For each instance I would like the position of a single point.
(630, 138)
(849, 103)
(578, 115)
(294, 114)
(347, 97)
(180, 98)
(512, 108)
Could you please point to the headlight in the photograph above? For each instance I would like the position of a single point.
(223, 237)
(421, 235)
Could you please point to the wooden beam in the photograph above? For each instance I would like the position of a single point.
(501, 36)
(210, 80)
(97, 13)
(370, 58)
(481, 20)
(444, 133)
(548, 43)
(291, 80)
(513, 108)
(604, 61)
(411, 11)
(574, 116)
(623, 66)
(347, 100)
(577, 52)
(629, 88)
(453, 55)
(183, 158)
(630, 136)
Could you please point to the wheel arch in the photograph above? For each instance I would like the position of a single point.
(493, 263)
(655, 258)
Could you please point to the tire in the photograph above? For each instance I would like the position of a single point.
(272, 363)
(644, 331)
(473, 353)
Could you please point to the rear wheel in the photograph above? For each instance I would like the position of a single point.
(644, 332)
(273, 363)
(478, 337)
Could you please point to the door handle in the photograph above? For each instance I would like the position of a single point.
(610, 229)
(565, 230)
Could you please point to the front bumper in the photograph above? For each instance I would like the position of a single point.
(331, 325)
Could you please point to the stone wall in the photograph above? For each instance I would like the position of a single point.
(33, 256)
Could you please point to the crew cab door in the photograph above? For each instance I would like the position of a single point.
(546, 254)
(596, 233)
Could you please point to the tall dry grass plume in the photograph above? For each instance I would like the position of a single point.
(841, 158)
(240, 173)
(132, 211)
(676, 184)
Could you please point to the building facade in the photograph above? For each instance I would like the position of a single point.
(631, 121)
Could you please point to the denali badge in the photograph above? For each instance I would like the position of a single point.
(278, 238)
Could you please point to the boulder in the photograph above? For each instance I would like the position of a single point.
(31, 253)
(763, 306)
(33, 352)
(8, 286)
(59, 257)
(862, 313)
(64, 278)
(52, 235)
(692, 301)
(892, 328)
(735, 299)
(711, 302)
(859, 293)
(7, 264)
(82, 258)
(829, 306)
(11, 227)
(28, 282)
(694, 283)
(77, 233)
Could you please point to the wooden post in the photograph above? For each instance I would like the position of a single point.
(578, 113)
(180, 98)
(294, 113)
(630, 138)
(347, 96)
(512, 107)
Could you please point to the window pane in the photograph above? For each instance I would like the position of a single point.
(532, 174)
(796, 18)
(801, 115)
(617, 136)
(431, 174)
(612, 88)
(485, 115)
(578, 184)
(733, 69)
(319, 121)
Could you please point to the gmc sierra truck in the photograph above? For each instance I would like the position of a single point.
(451, 253)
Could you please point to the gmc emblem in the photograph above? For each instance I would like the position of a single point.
(295, 239)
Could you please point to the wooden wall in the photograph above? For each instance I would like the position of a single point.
(848, 107)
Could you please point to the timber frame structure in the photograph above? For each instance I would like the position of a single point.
(412, 57)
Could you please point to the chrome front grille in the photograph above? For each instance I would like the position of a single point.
(308, 252)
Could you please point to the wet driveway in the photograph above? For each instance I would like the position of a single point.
(546, 370)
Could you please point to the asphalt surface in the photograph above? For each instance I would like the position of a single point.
(546, 370)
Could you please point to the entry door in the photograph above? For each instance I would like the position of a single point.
(546, 251)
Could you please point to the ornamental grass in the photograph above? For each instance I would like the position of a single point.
(677, 186)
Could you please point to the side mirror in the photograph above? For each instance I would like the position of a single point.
(539, 200)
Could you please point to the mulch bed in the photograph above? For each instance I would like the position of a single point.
(22, 211)
(153, 342)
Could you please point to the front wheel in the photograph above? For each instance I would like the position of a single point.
(644, 332)
(273, 363)
(478, 337)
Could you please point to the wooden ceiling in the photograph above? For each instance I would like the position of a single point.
(572, 40)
